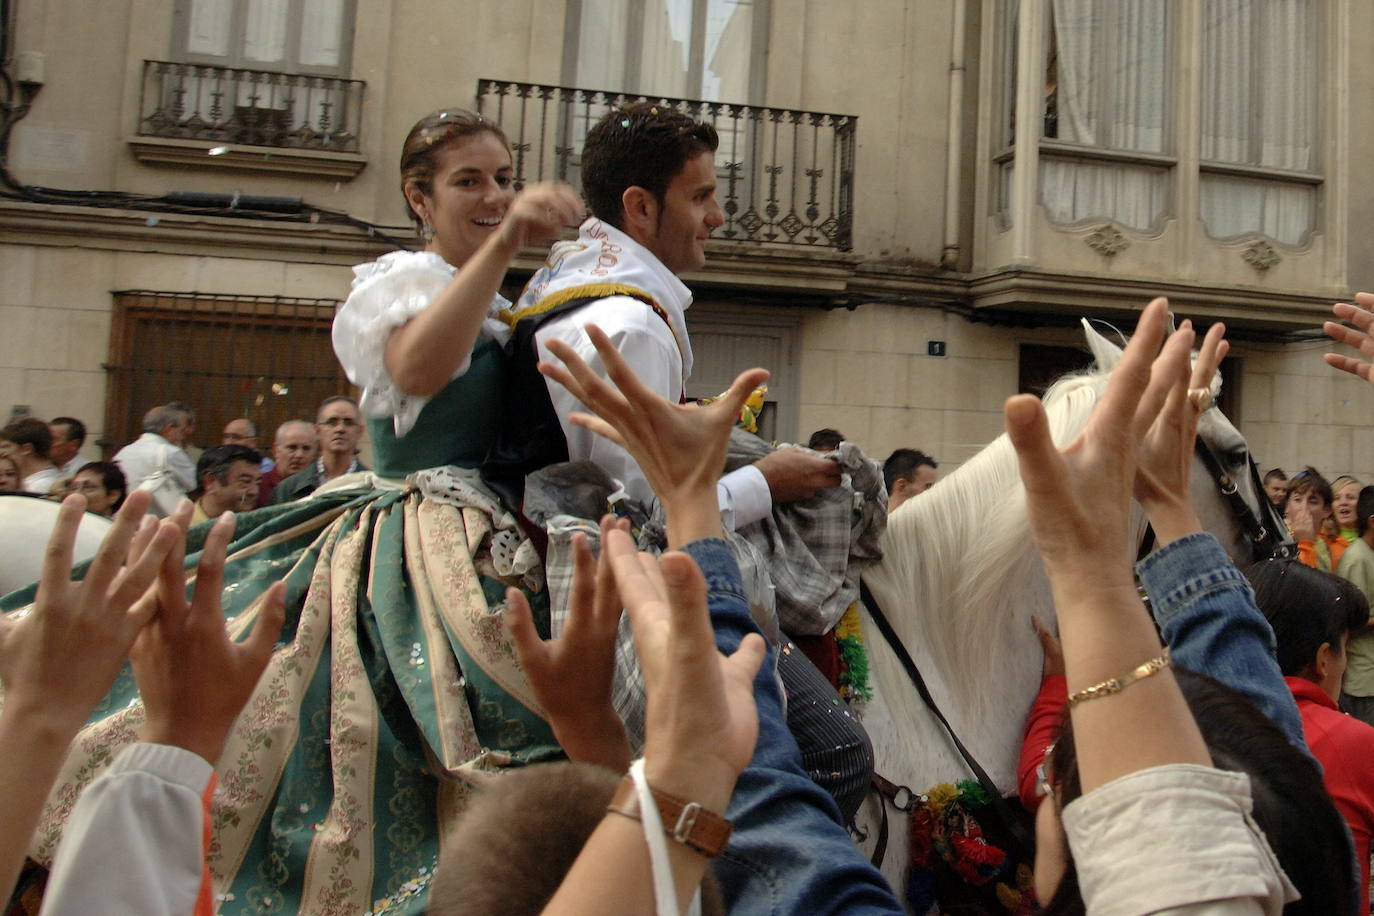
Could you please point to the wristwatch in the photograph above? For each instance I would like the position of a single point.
(687, 822)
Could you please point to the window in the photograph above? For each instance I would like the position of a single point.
(729, 338)
(1259, 118)
(1116, 86)
(684, 49)
(268, 358)
(289, 36)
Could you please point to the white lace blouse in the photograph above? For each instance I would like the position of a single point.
(386, 294)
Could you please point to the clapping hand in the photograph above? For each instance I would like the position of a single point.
(57, 661)
(571, 676)
(193, 678)
(1361, 314)
(680, 447)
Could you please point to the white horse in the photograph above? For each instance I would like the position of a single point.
(25, 523)
(959, 581)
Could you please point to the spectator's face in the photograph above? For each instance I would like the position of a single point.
(63, 449)
(339, 427)
(177, 432)
(1344, 505)
(1310, 498)
(294, 448)
(239, 432)
(924, 479)
(9, 450)
(9, 473)
(1276, 488)
(239, 494)
(92, 486)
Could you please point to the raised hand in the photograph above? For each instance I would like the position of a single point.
(571, 676)
(701, 723)
(1166, 453)
(539, 212)
(62, 657)
(193, 678)
(679, 447)
(1361, 314)
(1079, 498)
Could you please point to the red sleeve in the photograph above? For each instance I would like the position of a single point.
(1042, 727)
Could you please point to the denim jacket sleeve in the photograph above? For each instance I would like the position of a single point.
(788, 853)
(1208, 617)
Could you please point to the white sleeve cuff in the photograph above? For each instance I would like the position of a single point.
(744, 497)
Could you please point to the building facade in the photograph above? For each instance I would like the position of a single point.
(922, 198)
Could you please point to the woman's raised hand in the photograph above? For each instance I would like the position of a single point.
(539, 212)
(1079, 497)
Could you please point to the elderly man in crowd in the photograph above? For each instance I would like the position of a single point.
(68, 436)
(27, 441)
(293, 447)
(160, 446)
(339, 427)
(240, 431)
(228, 476)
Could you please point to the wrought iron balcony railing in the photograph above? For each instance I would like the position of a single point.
(254, 107)
(786, 177)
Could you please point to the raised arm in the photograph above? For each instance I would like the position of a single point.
(422, 354)
(1361, 316)
(62, 657)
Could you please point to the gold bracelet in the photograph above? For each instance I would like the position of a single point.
(1117, 684)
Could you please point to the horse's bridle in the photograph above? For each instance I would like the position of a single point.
(1268, 536)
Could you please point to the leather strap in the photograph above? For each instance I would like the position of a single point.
(687, 822)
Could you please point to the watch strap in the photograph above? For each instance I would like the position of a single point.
(686, 822)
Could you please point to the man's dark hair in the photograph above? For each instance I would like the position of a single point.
(1364, 508)
(825, 439)
(1306, 607)
(76, 430)
(29, 431)
(1274, 474)
(219, 460)
(644, 145)
(902, 463)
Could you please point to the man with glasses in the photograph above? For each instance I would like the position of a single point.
(339, 426)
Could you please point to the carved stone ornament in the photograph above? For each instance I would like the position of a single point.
(1107, 240)
(1261, 256)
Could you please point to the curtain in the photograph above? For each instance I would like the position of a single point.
(264, 32)
(1107, 81)
(208, 27)
(322, 32)
(1259, 108)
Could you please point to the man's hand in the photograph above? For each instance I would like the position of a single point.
(571, 676)
(794, 475)
(61, 658)
(1302, 520)
(193, 678)
(1361, 314)
(701, 723)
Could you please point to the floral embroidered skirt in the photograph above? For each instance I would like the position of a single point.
(394, 691)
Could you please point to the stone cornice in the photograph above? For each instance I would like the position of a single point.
(781, 275)
(324, 165)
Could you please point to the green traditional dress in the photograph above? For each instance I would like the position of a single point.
(394, 689)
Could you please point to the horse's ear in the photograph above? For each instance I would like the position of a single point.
(1105, 353)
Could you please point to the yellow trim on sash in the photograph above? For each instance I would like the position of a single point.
(588, 291)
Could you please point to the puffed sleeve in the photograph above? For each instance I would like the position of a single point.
(386, 294)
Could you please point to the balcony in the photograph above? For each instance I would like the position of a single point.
(191, 114)
(786, 177)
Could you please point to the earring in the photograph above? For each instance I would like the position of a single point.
(427, 232)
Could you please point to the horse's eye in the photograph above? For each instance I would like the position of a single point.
(1238, 455)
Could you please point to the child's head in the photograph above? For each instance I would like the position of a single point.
(514, 844)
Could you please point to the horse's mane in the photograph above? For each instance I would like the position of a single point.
(965, 552)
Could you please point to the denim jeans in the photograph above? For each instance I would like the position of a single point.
(789, 852)
(1207, 615)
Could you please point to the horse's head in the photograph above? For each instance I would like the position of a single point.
(1225, 490)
